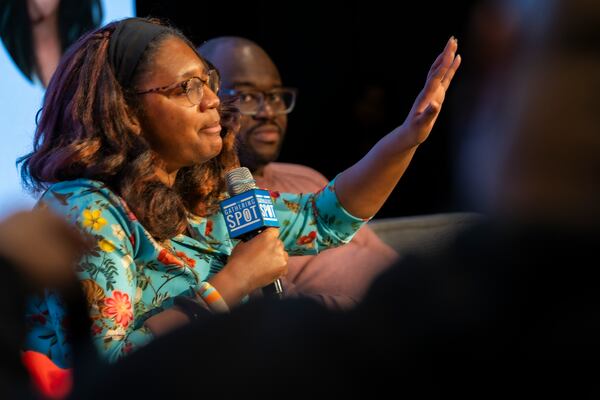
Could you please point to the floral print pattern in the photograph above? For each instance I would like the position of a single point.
(93, 219)
(118, 308)
(129, 276)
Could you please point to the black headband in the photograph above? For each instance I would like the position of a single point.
(127, 44)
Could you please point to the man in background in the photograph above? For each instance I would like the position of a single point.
(337, 277)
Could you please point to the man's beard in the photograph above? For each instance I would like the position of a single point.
(252, 159)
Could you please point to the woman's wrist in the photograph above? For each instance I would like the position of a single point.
(212, 298)
(230, 287)
(405, 138)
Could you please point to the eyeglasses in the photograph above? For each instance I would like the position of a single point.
(280, 100)
(192, 88)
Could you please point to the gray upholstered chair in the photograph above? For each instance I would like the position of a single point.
(423, 234)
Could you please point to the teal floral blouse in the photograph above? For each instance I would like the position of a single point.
(129, 276)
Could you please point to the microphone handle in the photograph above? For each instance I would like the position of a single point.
(274, 289)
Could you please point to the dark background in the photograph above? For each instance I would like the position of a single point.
(358, 67)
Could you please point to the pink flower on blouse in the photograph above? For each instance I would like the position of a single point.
(127, 348)
(179, 258)
(209, 228)
(167, 258)
(96, 330)
(307, 238)
(39, 318)
(189, 261)
(118, 308)
(128, 211)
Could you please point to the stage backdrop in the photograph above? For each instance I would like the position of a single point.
(20, 99)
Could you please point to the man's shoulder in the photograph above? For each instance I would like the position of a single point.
(279, 168)
(292, 178)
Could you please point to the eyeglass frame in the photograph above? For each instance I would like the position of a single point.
(237, 92)
(184, 85)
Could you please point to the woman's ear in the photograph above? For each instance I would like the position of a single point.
(137, 128)
(134, 121)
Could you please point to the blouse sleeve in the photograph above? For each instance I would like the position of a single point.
(108, 272)
(314, 222)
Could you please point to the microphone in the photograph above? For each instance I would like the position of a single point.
(247, 212)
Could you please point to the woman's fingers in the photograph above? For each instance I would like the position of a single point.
(450, 73)
(448, 56)
(450, 45)
(440, 79)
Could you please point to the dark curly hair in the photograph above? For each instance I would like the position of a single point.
(86, 130)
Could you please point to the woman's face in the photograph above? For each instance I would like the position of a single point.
(40, 9)
(182, 134)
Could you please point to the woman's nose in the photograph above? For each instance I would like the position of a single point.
(209, 99)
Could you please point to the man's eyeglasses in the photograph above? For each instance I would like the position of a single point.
(250, 102)
(192, 88)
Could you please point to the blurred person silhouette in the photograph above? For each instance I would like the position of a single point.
(338, 277)
(38, 250)
(495, 31)
(519, 288)
(37, 32)
(132, 147)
